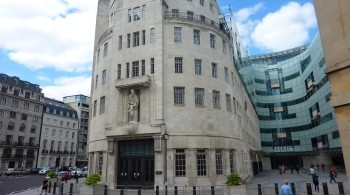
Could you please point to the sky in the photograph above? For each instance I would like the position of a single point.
(50, 42)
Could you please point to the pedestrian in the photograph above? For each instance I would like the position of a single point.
(285, 189)
(322, 165)
(331, 175)
(334, 171)
(312, 171)
(297, 168)
(280, 169)
(44, 186)
(318, 167)
(291, 168)
(316, 182)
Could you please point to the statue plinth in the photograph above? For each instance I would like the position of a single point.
(132, 127)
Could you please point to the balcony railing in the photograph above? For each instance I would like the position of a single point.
(20, 144)
(199, 18)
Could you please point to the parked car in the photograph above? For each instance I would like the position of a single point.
(77, 172)
(32, 171)
(15, 171)
(44, 170)
(85, 172)
(64, 175)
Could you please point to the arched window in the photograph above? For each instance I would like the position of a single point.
(52, 144)
(59, 145)
(66, 145)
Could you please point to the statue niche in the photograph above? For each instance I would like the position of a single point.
(133, 107)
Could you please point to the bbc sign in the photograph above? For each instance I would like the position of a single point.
(283, 149)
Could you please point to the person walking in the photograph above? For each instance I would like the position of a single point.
(322, 165)
(297, 168)
(44, 186)
(316, 182)
(285, 189)
(318, 167)
(332, 175)
(334, 169)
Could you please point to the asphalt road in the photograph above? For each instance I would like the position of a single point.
(12, 184)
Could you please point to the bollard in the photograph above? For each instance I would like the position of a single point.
(308, 189)
(122, 192)
(276, 189)
(341, 187)
(175, 190)
(259, 189)
(212, 189)
(77, 178)
(105, 192)
(49, 191)
(293, 189)
(61, 189)
(166, 190)
(71, 189)
(157, 190)
(54, 188)
(194, 190)
(325, 188)
(138, 192)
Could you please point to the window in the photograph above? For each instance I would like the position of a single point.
(199, 96)
(136, 36)
(119, 71)
(177, 34)
(211, 6)
(135, 68)
(128, 40)
(68, 124)
(100, 162)
(67, 134)
(96, 81)
(15, 103)
(137, 14)
(228, 103)
(2, 112)
(189, 14)
(26, 106)
(36, 108)
(16, 92)
(127, 70)
(201, 163)
(152, 36)
(27, 95)
(232, 155)
(226, 74)
(35, 119)
(196, 36)
(104, 77)
(33, 129)
(4, 88)
(212, 40)
(46, 131)
(9, 139)
(152, 65)
(144, 11)
(98, 56)
(60, 134)
(201, 2)
(73, 135)
(143, 67)
(214, 70)
(45, 144)
(59, 145)
(12, 114)
(66, 146)
(234, 105)
(143, 37)
(102, 104)
(105, 49)
(95, 105)
(2, 100)
(11, 126)
(120, 42)
(53, 133)
(198, 66)
(52, 144)
(61, 123)
(74, 125)
(179, 95)
(224, 47)
(22, 128)
(219, 162)
(0, 124)
(180, 163)
(72, 147)
(216, 99)
(129, 15)
(178, 65)
(175, 12)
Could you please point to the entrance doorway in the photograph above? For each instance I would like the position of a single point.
(289, 161)
(136, 163)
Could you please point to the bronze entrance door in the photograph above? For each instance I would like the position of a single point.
(136, 163)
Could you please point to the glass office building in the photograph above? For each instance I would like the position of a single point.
(291, 93)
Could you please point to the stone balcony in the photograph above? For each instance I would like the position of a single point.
(133, 82)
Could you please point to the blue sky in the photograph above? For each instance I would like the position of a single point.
(50, 42)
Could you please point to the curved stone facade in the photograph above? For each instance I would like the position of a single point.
(291, 94)
(193, 123)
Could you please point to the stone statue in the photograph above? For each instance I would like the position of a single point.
(133, 106)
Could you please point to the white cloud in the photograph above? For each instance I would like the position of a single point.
(49, 34)
(66, 86)
(286, 28)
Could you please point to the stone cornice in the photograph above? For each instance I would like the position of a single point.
(133, 82)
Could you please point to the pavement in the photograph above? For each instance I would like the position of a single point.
(265, 178)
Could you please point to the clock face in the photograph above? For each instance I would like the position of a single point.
(166, 136)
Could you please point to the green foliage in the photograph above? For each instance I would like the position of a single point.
(52, 174)
(234, 180)
(93, 179)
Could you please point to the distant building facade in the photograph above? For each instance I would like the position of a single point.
(291, 94)
(81, 104)
(21, 105)
(333, 18)
(59, 135)
(167, 104)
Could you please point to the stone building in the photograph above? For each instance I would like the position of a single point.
(21, 105)
(59, 135)
(81, 104)
(291, 94)
(333, 18)
(167, 104)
